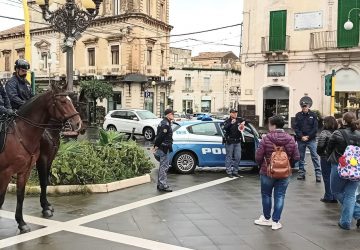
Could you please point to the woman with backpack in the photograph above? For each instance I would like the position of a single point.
(342, 157)
(330, 125)
(274, 154)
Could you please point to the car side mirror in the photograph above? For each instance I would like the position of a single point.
(135, 119)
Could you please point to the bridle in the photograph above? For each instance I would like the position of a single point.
(48, 125)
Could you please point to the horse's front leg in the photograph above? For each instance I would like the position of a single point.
(43, 173)
(20, 192)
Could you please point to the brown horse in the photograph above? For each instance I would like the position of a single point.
(22, 147)
(49, 145)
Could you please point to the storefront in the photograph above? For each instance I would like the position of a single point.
(206, 104)
(347, 92)
(276, 101)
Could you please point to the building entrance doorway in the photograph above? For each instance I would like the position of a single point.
(276, 102)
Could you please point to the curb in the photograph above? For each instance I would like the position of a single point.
(92, 188)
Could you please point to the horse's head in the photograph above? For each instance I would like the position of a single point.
(62, 108)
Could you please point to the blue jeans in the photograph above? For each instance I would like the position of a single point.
(326, 171)
(267, 186)
(164, 167)
(233, 157)
(345, 192)
(302, 145)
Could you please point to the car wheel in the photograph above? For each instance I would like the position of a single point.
(185, 162)
(111, 128)
(149, 134)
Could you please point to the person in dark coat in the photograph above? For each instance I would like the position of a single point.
(17, 87)
(5, 107)
(277, 137)
(162, 148)
(306, 127)
(233, 128)
(344, 190)
(330, 125)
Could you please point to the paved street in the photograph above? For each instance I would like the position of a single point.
(207, 211)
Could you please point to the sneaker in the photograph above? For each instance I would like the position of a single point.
(276, 225)
(262, 221)
(236, 175)
(318, 179)
(301, 177)
(230, 175)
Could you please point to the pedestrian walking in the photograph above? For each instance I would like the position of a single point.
(162, 148)
(233, 128)
(330, 125)
(277, 141)
(306, 127)
(344, 190)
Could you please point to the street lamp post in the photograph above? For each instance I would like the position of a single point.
(71, 21)
(348, 25)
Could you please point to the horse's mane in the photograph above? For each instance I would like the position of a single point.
(24, 109)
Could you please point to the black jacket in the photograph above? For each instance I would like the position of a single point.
(306, 124)
(18, 91)
(337, 144)
(164, 135)
(5, 107)
(232, 132)
(323, 141)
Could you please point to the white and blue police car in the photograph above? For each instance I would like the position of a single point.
(200, 143)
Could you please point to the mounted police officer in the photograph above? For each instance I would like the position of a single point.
(233, 133)
(162, 147)
(17, 87)
(5, 107)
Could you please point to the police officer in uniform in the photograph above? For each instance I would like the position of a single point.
(17, 87)
(163, 146)
(5, 107)
(233, 128)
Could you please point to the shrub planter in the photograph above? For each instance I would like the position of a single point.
(91, 188)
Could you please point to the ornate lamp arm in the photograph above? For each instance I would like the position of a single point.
(351, 11)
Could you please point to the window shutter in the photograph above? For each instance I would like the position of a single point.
(348, 38)
(277, 37)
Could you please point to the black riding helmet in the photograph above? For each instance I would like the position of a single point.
(22, 64)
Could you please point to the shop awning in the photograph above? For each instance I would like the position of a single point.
(138, 78)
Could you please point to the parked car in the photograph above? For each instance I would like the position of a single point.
(144, 122)
(200, 143)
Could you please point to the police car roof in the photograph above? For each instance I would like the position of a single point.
(192, 122)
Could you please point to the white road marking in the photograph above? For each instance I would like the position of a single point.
(121, 238)
(74, 225)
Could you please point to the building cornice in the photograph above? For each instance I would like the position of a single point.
(98, 22)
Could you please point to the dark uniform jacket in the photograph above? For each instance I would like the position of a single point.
(18, 91)
(232, 133)
(306, 124)
(164, 135)
(5, 107)
(337, 143)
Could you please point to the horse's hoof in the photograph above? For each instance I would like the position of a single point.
(47, 213)
(51, 208)
(24, 229)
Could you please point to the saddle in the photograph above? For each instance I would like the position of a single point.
(5, 121)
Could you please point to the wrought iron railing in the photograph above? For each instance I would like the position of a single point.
(323, 40)
(275, 43)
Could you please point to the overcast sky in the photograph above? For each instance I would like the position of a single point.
(186, 16)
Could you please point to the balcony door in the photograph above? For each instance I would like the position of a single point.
(277, 36)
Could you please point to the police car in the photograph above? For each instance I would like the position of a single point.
(200, 143)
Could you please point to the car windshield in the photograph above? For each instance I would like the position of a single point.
(144, 115)
(175, 126)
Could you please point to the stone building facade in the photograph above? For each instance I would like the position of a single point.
(127, 46)
(288, 49)
(207, 83)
